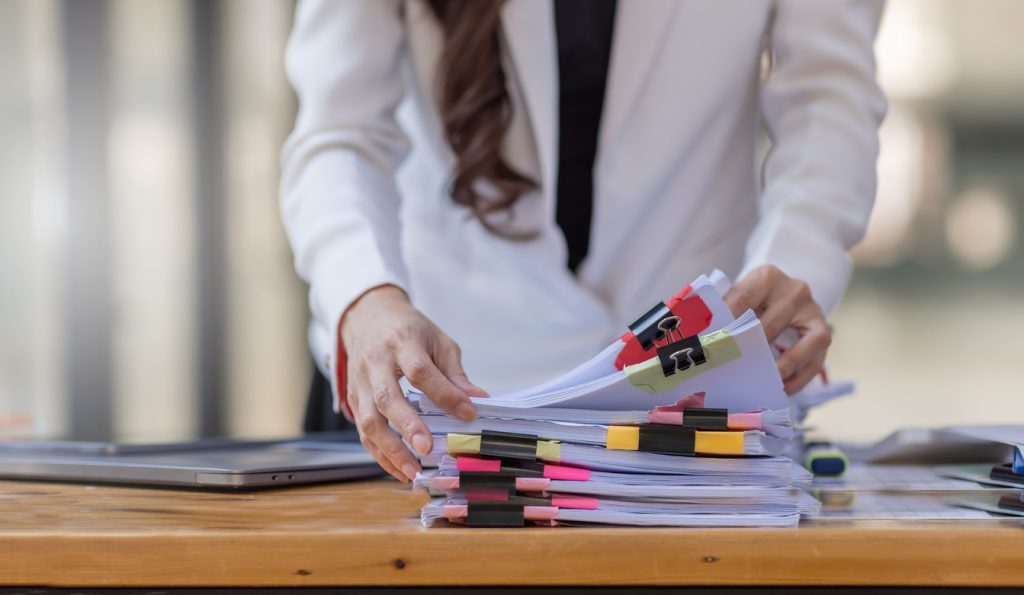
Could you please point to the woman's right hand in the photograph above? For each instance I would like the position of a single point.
(386, 338)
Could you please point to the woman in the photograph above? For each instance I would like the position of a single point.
(523, 178)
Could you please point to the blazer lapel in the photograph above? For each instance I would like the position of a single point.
(529, 31)
(641, 27)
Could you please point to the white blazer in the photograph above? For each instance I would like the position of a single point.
(677, 188)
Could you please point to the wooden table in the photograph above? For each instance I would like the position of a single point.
(368, 533)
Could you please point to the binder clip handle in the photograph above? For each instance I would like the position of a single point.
(647, 328)
(669, 327)
(681, 354)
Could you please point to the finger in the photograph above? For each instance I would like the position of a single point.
(813, 342)
(389, 400)
(360, 403)
(449, 360)
(419, 368)
(749, 293)
(799, 380)
(354, 404)
(777, 316)
(384, 462)
(783, 304)
(374, 428)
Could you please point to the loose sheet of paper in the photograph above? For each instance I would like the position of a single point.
(877, 506)
(866, 477)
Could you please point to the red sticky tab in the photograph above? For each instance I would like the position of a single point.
(694, 317)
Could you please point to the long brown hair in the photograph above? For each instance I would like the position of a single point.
(476, 109)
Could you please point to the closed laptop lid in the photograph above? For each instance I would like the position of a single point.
(202, 463)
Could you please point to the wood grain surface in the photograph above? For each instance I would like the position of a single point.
(368, 533)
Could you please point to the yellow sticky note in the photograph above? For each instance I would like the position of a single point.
(549, 451)
(719, 443)
(623, 438)
(463, 443)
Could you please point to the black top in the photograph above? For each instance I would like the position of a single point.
(584, 29)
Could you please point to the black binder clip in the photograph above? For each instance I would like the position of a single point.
(495, 513)
(1014, 503)
(489, 482)
(674, 440)
(1005, 473)
(681, 354)
(701, 418)
(508, 445)
(523, 468)
(647, 329)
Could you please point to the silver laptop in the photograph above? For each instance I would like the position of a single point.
(215, 464)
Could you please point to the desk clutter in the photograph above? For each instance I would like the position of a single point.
(953, 473)
(683, 421)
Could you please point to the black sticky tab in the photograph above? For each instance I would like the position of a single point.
(646, 328)
(498, 481)
(507, 445)
(675, 440)
(487, 513)
(678, 355)
(701, 418)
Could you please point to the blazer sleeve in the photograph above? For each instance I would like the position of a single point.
(339, 198)
(822, 107)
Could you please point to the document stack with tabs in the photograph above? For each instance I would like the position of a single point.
(679, 422)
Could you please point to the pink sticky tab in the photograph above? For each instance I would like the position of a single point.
(532, 484)
(454, 512)
(746, 421)
(540, 513)
(672, 418)
(446, 483)
(566, 473)
(577, 502)
(474, 464)
(695, 400)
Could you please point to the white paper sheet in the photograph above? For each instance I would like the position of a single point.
(894, 506)
(866, 477)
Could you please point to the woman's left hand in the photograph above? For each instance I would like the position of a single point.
(781, 302)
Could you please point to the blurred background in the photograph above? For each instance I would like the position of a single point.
(147, 286)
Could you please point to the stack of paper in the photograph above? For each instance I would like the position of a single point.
(677, 423)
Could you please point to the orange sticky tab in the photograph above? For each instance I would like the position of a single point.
(623, 438)
(719, 443)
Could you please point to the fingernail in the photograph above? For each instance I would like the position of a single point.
(465, 412)
(410, 470)
(422, 444)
